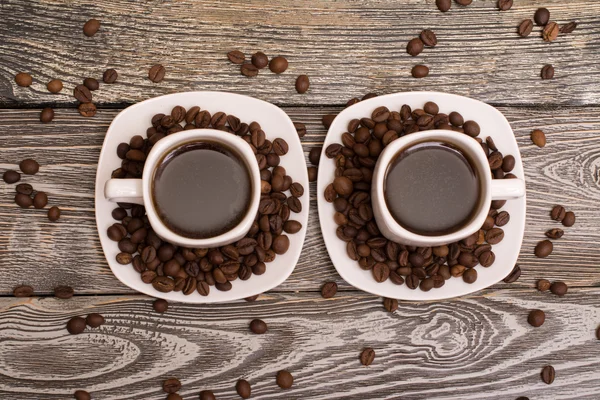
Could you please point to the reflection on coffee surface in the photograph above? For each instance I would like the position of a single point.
(202, 190)
(431, 189)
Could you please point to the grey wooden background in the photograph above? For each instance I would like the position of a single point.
(475, 347)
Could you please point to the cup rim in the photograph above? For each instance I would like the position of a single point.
(480, 162)
(174, 140)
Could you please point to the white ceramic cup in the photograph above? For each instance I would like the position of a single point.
(139, 191)
(490, 189)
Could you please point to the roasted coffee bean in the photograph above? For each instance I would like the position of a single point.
(315, 155)
(559, 288)
(29, 166)
(260, 60)
(207, 395)
(124, 258)
(502, 218)
(23, 200)
(203, 288)
(281, 244)
(538, 138)
(543, 285)
(471, 128)
(54, 213)
(541, 16)
(243, 389)
(536, 318)
(569, 219)
(390, 305)
(547, 72)
(558, 213)
(82, 395)
(11, 176)
(46, 115)
(548, 374)
(23, 79)
(443, 5)
(258, 326)
(82, 94)
(328, 290)
(94, 320)
(470, 275)
(248, 70)
(91, 83)
(420, 71)
(236, 57)
(163, 284)
(494, 236)
(428, 38)
(412, 281)
(464, 2)
(156, 73)
(171, 385)
(343, 186)
(494, 159)
(278, 65)
(525, 27)
(76, 325)
(160, 305)
(414, 47)
(63, 292)
(300, 129)
(505, 5)
(284, 379)
(40, 200)
(568, 28)
(23, 291)
(487, 258)
(381, 272)
(514, 275)
(367, 356)
(302, 84)
(87, 110)
(508, 163)
(54, 86)
(174, 396)
(280, 147)
(110, 76)
(91, 27)
(555, 233)
(550, 32)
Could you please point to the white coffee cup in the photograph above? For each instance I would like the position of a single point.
(139, 191)
(490, 189)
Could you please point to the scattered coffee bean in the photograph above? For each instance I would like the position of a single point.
(110, 76)
(23, 291)
(300, 129)
(543, 285)
(248, 70)
(23, 200)
(260, 60)
(312, 174)
(278, 65)
(82, 395)
(558, 213)
(174, 396)
(390, 305)
(171, 385)
(91, 83)
(207, 395)
(525, 28)
(284, 379)
(470, 275)
(514, 275)
(555, 233)
(40, 200)
(541, 16)
(443, 5)
(54, 213)
(243, 389)
(547, 72)
(23, 79)
(536, 318)
(550, 32)
(94, 320)
(559, 288)
(46, 115)
(54, 86)
(302, 84)
(538, 138)
(420, 71)
(505, 5)
(328, 120)
(82, 94)
(543, 249)
(464, 2)
(11, 176)
(76, 325)
(29, 166)
(367, 356)
(160, 305)
(548, 374)
(24, 188)
(91, 27)
(236, 57)
(258, 326)
(329, 290)
(428, 38)
(251, 298)
(64, 292)
(156, 73)
(315, 155)
(87, 110)
(414, 47)
(568, 28)
(569, 219)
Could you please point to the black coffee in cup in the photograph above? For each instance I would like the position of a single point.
(431, 189)
(201, 189)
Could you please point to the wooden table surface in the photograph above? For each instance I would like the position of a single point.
(475, 347)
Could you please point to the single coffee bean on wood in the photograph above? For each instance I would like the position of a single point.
(23, 291)
(558, 213)
(550, 32)
(260, 60)
(536, 318)
(568, 28)
(555, 233)
(94, 320)
(443, 5)
(569, 219)
(207, 395)
(236, 57)
(82, 395)
(547, 72)
(54, 86)
(23, 79)
(91, 83)
(243, 389)
(171, 385)
(390, 305)
(538, 138)
(156, 73)
(328, 290)
(11, 176)
(548, 374)
(248, 70)
(525, 28)
(76, 325)
(514, 275)
(428, 38)
(464, 2)
(284, 379)
(278, 65)
(54, 213)
(82, 94)
(46, 115)
(559, 288)
(302, 84)
(541, 16)
(29, 166)
(420, 71)
(91, 27)
(40, 200)
(543, 249)
(23, 200)
(505, 5)
(160, 305)
(258, 326)
(87, 110)
(367, 356)
(110, 76)
(543, 285)
(63, 292)
(414, 47)
(300, 129)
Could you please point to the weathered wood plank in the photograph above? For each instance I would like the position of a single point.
(347, 48)
(476, 347)
(565, 171)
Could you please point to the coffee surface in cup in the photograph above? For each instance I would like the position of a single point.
(431, 189)
(201, 190)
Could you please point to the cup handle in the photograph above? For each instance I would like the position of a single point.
(506, 189)
(124, 191)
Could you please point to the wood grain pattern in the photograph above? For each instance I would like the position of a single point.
(564, 172)
(347, 48)
(476, 347)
